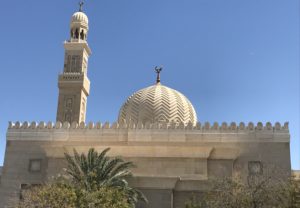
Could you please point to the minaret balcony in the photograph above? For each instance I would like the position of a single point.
(74, 80)
(71, 76)
(75, 40)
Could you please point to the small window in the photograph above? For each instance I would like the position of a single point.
(255, 168)
(35, 165)
(69, 103)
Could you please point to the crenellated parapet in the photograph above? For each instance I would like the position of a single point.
(150, 132)
(205, 127)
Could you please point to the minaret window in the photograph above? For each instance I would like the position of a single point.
(68, 65)
(69, 103)
(82, 35)
(76, 34)
(75, 64)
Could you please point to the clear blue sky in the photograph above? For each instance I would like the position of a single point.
(236, 60)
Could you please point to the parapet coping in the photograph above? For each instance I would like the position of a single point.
(207, 127)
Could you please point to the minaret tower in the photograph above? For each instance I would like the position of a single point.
(73, 83)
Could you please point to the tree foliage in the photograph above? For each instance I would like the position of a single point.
(96, 171)
(194, 203)
(63, 195)
(91, 181)
(57, 195)
(259, 191)
(106, 198)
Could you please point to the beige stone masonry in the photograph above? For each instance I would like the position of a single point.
(153, 133)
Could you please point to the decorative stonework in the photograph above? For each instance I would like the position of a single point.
(189, 126)
(157, 103)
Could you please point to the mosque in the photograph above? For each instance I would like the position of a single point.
(157, 129)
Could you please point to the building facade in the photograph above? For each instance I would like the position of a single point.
(157, 129)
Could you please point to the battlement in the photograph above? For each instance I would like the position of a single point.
(215, 127)
(150, 132)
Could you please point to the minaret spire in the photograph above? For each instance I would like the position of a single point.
(81, 3)
(158, 69)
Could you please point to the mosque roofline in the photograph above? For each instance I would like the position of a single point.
(224, 126)
(156, 133)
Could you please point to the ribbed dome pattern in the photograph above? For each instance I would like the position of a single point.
(80, 17)
(157, 103)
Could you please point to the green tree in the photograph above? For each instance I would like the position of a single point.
(91, 181)
(54, 195)
(259, 191)
(105, 198)
(94, 171)
(64, 195)
(194, 203)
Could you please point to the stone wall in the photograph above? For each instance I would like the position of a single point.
(173, 160)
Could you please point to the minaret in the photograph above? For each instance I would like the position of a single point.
(73, 83)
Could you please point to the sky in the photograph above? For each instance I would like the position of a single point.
(236, 60)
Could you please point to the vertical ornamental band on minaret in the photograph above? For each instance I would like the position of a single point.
(73, 83)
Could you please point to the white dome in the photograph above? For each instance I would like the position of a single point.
(157, 103)
(80, 17)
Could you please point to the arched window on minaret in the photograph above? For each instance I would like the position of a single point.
(76, 34)
(82, 35)
(68, 65)
(73, 64)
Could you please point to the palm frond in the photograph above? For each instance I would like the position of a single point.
(110, 165)
(94, 171)
(122, 167)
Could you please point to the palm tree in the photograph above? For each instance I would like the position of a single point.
(95, 171)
